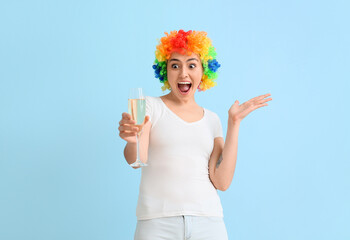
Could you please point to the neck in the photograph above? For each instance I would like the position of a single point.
(181, 101)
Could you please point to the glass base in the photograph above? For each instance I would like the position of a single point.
(138, 164)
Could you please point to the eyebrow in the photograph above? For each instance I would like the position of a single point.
(175, 59)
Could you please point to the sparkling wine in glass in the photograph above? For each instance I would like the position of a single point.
(137, 110)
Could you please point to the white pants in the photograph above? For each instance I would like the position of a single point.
(181, 228)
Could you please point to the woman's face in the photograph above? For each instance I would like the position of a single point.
(184, 74)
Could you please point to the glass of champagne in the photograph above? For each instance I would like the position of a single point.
(137, 110)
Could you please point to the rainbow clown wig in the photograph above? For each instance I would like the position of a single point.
(187, 43)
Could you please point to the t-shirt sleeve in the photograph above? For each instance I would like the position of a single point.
(218, 127)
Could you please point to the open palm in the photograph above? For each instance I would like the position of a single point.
(239, 112)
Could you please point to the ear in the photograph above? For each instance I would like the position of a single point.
(200, 84)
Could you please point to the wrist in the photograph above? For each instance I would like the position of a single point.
(131, 143)
(233, 122)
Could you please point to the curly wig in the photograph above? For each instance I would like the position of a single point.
(187, 43)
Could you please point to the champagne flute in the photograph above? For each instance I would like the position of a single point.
(137, 110)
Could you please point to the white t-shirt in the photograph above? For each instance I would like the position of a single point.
(176, 180)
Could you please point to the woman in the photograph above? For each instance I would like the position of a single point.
(188, 159)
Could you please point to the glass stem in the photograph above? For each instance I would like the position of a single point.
(137, 148)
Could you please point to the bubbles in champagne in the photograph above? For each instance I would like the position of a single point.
(137, 110)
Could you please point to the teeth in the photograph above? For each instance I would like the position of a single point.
(184, 83)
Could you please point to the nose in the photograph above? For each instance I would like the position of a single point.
(183, 73)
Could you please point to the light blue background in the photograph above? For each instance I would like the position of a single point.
(66, 67)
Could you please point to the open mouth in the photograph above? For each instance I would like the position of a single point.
(184, 87)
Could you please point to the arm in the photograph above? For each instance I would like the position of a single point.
(222, 162)
(221, 172)
(128, 131)
(130, 148)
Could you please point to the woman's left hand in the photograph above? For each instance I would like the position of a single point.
(238, 112)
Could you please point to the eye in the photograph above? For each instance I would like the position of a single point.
(175, 66)
(192, 65)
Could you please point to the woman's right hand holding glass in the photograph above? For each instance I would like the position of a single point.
(128, 128)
